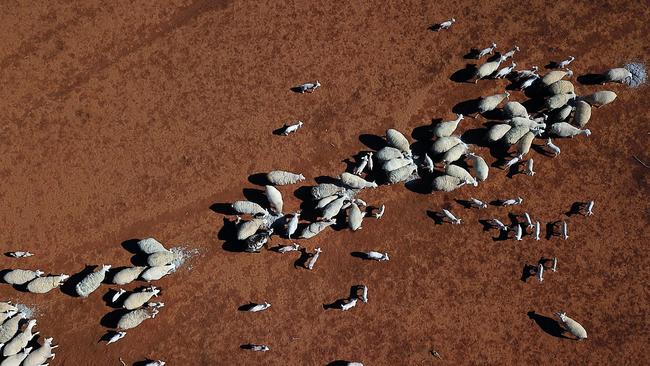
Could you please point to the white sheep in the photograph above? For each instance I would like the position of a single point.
(554, 266)
(540, 273)
(511, 53)
(491, 102)
(529, 167)
(160, 258)
(288, 248)
(248, 207)
(150, 245)
(555, 75)
(559, 100)
(512, 202)
(282, 178)
(315, 228)
(333, 208)
(292, 128)
(356, 182)
(364, 293)
(117, 295)
(396, 163)
(514, 109)
(275, 199)
(20, 254)
(497, 132)
(451, 217)
(428, 163)
(554, 149)
(377, 256)
(513, 161)
(522, 74)
(564, 63)
(21, 276)
(486, 51)
(355, 217)
(17, 359)
(380, 213)
(41, 285)
(9, 328)
(477, 203)
(308, 87)
(6, 315)
(563, 129)
(572, 326)
(582, 113)
(499, 224)
(155, 363)
(40, 355)
(134, 318)
(443, 144)
(20, 341)
(529, 82)
(480, 166)
(137, 299)
(116, 337)
(590, 208)
(460, 173)
(258, 347)
(349, 304)
(617, 75)
(455, 153)
(401, 174)
(444, 25)
(258, 307)
(292, 226)
(446, 128)
(505, 71)
(361, 166)
(387, 153)
(488, 69)
(538, 229)
(249, 228)
(158, 272)
(92, 281)
(565, 230)
(445, 183)
(325, 190)
(561, 87)
(524, 143)
(600, 98)
(514, 134)
(519, 233)
(313, 259)
(7, 306)
(397, 140)
(127, 275)
(526, 122)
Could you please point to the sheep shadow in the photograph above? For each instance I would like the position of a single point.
(247, 307)
(327, 179)
(339, 363)
(68, 287)
(551, 230)
(255, 195)
(487, 225)
(107, 336)
(464, 203)
(259, 179)
(419, 185)
(467, 107)
(108, 297)
(548, 325)
(528, 272)
(591, 79)
(552, 65)
(3, 273)
(301, 262)
(373, 142)
(228, 234)
(247, 346)
(475, 136)
(297, 89)
(472, 54)
(514, 170)
(542, 151)
(437, 217)
(425, 133)
(111, 319)
(143, 363)
(576, 209)
(503, 236)
(224, 208)
(336, 305)
(131, 246)
(465, 74)
(534, 105)
(361, 255)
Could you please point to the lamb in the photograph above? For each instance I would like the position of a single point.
(499, 224)
(446, 128)
(388, 153)
(519, 233)
(511, 53)
(491, 102)
(254, 243)
(540, 273)
(160, 258)
(362, 165)
(563, 64)
(292, 226)
(257, 347)
(488, 69)
(454, 153)
(127, 275)
(514, 109)
(572, 326)
(137, 299)
(480, 166)
(249, 228)
(158, 272)
(134, 318)
(428, 163)
(444, 25)
(9, 328)
(150, 245)
(486, 51)
(370, 163)
(524, 143)
(527, 73)
(397, 140)
(563, 129)
(445, 183)
(16, 359)
(477, 203)
(528, 220)
(313, 259)
(275, 199)
(561, 87)
(529, 82)
(555, 75)
(396, 163)
(590, 208)
(355, 217)
(554, 149)
(529, 167)
(333, 208)
(308, 87)
(582, 113)
(20, 254)
(514, 134)
(513, 161)
(258, 307)
(565, 230)
(292, 128)
(116, 337)
(460, 173)
(20, 341)
(512, 202)
(364, 293)
(537, 230)
(41, 285)
(451, 217)
(155, 363)
(356, 182)
(282, 178)
(377, 256)
(554, 265)
(559, 100)
(618, 75)
(40, 355)
(248, 207)
(315, 228)
(92, 281)
(443, 144)
(401, 174)
(21, 276)
(600, 98)
(349, 304)
(505, 71)
(378, 215)
(117, 295)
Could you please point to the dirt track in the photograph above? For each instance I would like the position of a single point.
(124, 122)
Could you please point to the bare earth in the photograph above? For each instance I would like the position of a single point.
(125, 121)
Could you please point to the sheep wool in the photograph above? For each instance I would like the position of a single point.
(397, 140)
(6, 306)
(91, 282)
(315, 228)
(127, 275)
(355, 217)
(514, 134)
(275, 199)
(490, 103)
(563, 113)
(600, 98)
(496, 132)
(481, 168)
(134, 318)
(454, 153)
(458, 172)
(356, 182)
(16, 359)
(333, 208)
(150, 245)
(561, 87)
(325, 190)
(401, 174)
(395, 164)
(388, 153)
(515, 109)
(160, 258)
(524, 143)
(45, 284)
(563, 129)
(445, 183)
(248, 207)
(20, 341)
(156, 273)
(582, 114)
(443, 144)
(282, 178)
(618, 75)
(249, 228)
(554, 76)
(21, 276)
(41, 355)
(446, 128)
(572, 326)
(558, 101)
(137, 299)
(9, 328)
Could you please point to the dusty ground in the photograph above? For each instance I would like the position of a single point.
(124, 121)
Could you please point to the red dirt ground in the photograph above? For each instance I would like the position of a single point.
(125, 121)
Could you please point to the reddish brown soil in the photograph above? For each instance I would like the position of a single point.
(124, 121)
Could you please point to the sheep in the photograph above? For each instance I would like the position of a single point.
(540, 272)
(158, 272)
(454, 153)
(512, 202)
(563, 113)
(134, 318)
(313, 259)
(565, 230)
(397, 140)
(600, 98)
(362, 165)
(428, 163)
(529, 167)
(554, 149)
(505, 71)
(491, 102)
(282, 178)
(116, 337)
(444, 25)
(127, 275)
(526, 73)
(590, 208)
(477, 203)
(538, 228)
(377, 256)
(92, 281)
(40, 355)
(388, 153)
(41, 285)
(451, 217)
(20, 254)
(499, 224)
(21, 276)
(20, 341)
(558, 101)
(292, 128)
(17, 359)
(396, 163)
(117, 295)
(563, 129)
(308, 87)
(446, 128)
(525, 122)
(7, 306)
(248, 207)
(156, 305)
(514, 109)
(364, 293)
(6, 315)
(378, 215)
(137, 299)
(582, 113)
(316, 227)
(443, 144)
(486, 51)
(460, 173)
(561, 87)
(554, 265)
(555, 75)
(445, 183)
(349, 304)
(325, 190)
(9, 328)
(488, 69)
(356, 182)
(511, 53)
(497, 132)
(529, 82)
(513, 161)
(480, 166)
(355, 217)
(519, 233)
(150, 245)
(258, 307)
(564, 63)
(257, 347)
(292, 226)
(618, 75)
(524, 143)
(254, 243)
(155, 363)
(160, 258)
(333, 208)
(401, 174)
(249, 228)
(275, 199)
(572, 326)
(514, 134)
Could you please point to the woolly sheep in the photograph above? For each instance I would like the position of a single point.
(446, 128)
(618, 75)
(555, 75)
(21, 276)
(349, 304)
(524, 143)
(355, 217)
(293, 224)
(6, 306)
(572, 326)
(477, 203)
(150, 245)
(491, 102)
(361, 166)
(512, 202)
(505, 71)
(377, 256)
(308, 87)
(249, 228)
(134, 318)
(445, 183)
(316, 227)
(9, 328)
(559, 100)
(529, 167)
(488, 69)
(254, 243)
(292, 128)
(514, 109)
(600, 98)
(388, 153)
(356, 182)
(499, 224)
(6, 315)
(460, 173)
(554, 149)
(20, 341)
(160, 258)
(561, 87)
(275, 199)
(40, 355)
(497, 131)
(486, 51)
(20, 254)
(443, 144)
(582, 113)
(137, 299)
(525, 122)
(333, 208)
(282, 178)
(514, 134)
(364, 293)
(395, 164)
(16, 359)
(401, 174)
(563, 129)
(92, 281)
(127, 275)
(156, 273)
(454, 153)
(41, 285)
(444, 25)
(563, 113)
(313, 259)
(397, 140)
(248, 207)
(288, 248)
(325, 190)
(451, 217)
(258, 307)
